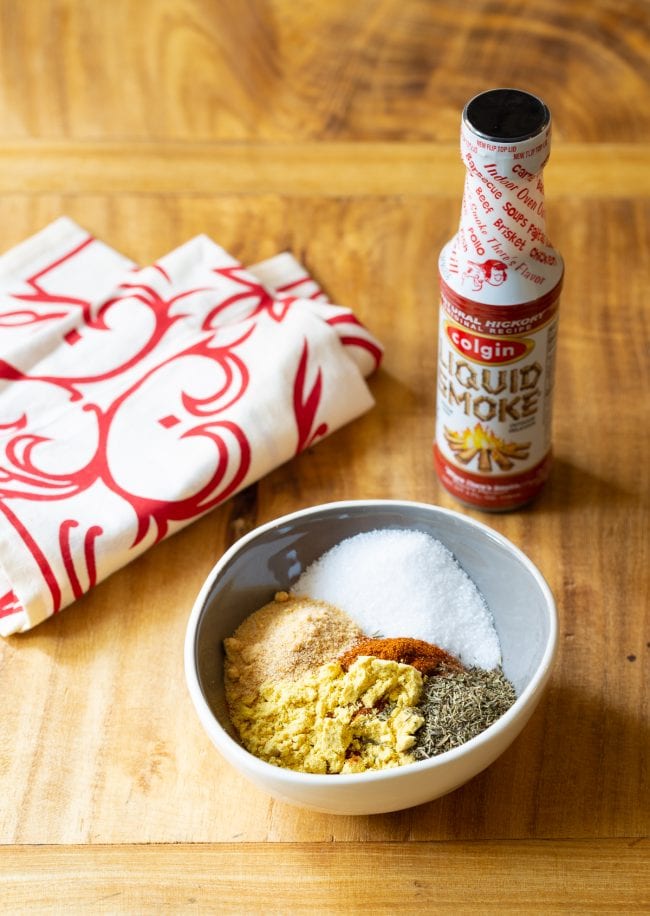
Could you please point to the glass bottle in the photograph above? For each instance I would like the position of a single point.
(500, 281)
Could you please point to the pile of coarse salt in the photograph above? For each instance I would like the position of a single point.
(405, 583)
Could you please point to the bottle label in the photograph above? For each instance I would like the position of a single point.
(501, 254)
(495, 391)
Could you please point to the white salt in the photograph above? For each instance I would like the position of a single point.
(405, 583)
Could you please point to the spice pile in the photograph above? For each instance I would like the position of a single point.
(308, 689)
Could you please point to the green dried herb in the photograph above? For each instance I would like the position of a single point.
(458, 705)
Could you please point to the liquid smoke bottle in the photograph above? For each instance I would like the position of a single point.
(500, 281)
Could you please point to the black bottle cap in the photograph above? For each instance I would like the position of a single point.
(506, 115)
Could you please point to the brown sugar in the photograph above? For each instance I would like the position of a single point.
(284, 639)
(424, 656)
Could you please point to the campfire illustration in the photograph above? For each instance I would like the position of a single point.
(487, 448)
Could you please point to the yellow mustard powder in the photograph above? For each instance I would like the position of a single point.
(335, 721)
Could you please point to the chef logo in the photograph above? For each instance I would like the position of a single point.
(492, 272)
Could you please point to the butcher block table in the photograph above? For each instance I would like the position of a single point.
(330, 129)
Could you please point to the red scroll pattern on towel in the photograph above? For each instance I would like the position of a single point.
(128, 414)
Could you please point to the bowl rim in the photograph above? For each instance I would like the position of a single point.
(234, 751)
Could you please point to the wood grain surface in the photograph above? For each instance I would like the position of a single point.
(324, 878)
(331, 129)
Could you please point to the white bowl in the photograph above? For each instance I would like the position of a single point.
(271, 558)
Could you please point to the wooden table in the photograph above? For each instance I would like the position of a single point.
(331, 128)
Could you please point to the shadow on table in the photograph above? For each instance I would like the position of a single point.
(571, 486)
(575, 771)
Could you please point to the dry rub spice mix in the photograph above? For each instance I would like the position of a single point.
(323, 679)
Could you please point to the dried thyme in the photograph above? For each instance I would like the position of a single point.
(458, 705)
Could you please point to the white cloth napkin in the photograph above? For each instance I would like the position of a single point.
(133, 400)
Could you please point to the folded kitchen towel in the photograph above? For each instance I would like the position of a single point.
(133, 400)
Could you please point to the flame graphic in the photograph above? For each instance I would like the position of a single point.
(481, 444)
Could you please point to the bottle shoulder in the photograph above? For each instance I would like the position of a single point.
(500, 277)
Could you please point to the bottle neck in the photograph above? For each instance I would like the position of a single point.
(501, 254)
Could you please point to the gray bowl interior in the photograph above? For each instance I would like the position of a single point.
(273, 560)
